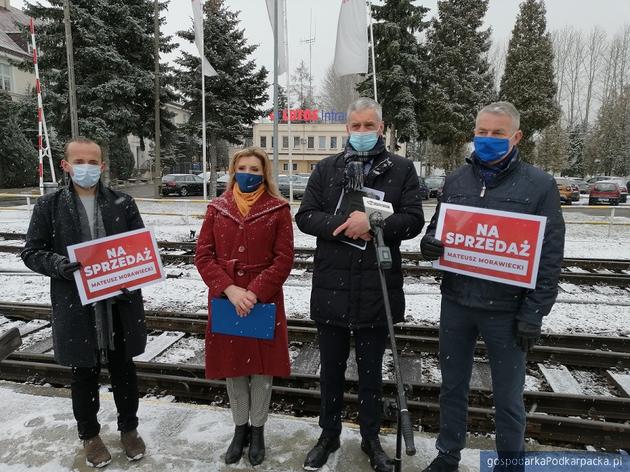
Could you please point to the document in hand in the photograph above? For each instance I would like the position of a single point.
(260, 323)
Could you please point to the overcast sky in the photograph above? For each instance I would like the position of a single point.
(582, 14)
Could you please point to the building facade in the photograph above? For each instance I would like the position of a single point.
(14, 47)
(310, 143)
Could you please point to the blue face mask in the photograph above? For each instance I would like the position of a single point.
(363, 141)
(248, 183)
(86, 175)
(489, 149)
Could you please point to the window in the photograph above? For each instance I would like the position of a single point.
(285, 142)
(333, 142)
(6, 77)
(344, 140)
(296, 142)
(313, 167)
(286, 167)
(311, 142)
(263, 142)
(321, 142)
(272, 143)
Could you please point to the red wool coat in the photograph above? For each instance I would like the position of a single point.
(253, 252)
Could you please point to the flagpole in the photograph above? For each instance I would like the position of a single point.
(286, 52)
(373, 55)
(275, 91)
(203, 112)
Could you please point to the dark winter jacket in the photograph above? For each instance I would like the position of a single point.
(346, 287)
(55, 226)
(521, 188)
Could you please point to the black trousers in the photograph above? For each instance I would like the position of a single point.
(85, 386)
(334, 347)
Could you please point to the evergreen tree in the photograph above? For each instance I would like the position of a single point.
(121, 159)
(553, 148)
(529, 81)
(18, 158)
(401, 65)
(233, 98)
(113, 62)
(461, 80)
(301, 87)
(577, 135)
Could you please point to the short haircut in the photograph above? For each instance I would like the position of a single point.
(365, 103)
(502, 108)
(80, 140)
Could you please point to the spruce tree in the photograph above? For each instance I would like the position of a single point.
(553, 148)
(529, 81)
(113, 62)
(120, 158)
(577, 135)
(18, 157)
(461, 79)
(233, 98)
(401, 68)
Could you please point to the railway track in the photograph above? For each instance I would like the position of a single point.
(554, 418)
(575, 270)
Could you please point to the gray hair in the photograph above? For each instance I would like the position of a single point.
(502, 108)
(365, 103)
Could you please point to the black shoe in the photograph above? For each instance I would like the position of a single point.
(440, 464)
(318, 456)
(257, 445)
(239, 441)
(378, 459)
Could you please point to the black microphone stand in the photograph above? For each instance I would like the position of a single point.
(404, 429)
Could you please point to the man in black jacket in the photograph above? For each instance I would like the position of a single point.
(508, 318)
(83, 211)
(346, 298)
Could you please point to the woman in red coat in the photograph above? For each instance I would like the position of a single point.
(245, 252)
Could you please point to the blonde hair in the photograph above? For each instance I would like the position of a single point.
(270, 183)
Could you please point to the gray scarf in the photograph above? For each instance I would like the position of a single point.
(103, 309)
(353, 175)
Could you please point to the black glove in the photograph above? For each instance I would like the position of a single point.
(432, 249)
(527, 335)
(67, 268)
(124, 297)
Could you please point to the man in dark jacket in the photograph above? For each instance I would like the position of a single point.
(83, 211)
(346, 298)
(508, 318)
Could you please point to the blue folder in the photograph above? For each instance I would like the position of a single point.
(260, 323)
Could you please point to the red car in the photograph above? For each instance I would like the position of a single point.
(604, 192)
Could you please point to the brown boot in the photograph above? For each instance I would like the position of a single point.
(133, 445)
(96, 454)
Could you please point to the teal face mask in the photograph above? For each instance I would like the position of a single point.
(363, 141)
(86, 175)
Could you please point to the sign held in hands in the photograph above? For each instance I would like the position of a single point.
(495, 245)
(128, 260)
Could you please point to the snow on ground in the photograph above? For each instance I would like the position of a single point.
(40, 436)
(601, 310)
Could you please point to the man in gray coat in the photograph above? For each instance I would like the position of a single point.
(110, 332)
(508, 318)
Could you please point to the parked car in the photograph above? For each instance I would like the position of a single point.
(299, 185)
(222, 183)
(424, 190)
(182, 184)
(605, 192)
(582, 185)
(620, 181)
(568, 191)
(435, 184)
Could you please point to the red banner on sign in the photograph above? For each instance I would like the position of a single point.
(127, 260)
(489, 244)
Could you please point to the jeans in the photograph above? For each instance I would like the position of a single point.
(85, 395)
(334, 347)
(459, 328)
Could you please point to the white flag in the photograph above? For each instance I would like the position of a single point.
(283, 46)
(351, 50)
(208, 70)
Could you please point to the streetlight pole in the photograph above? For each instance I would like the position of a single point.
(157, 172)
(72, 88)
